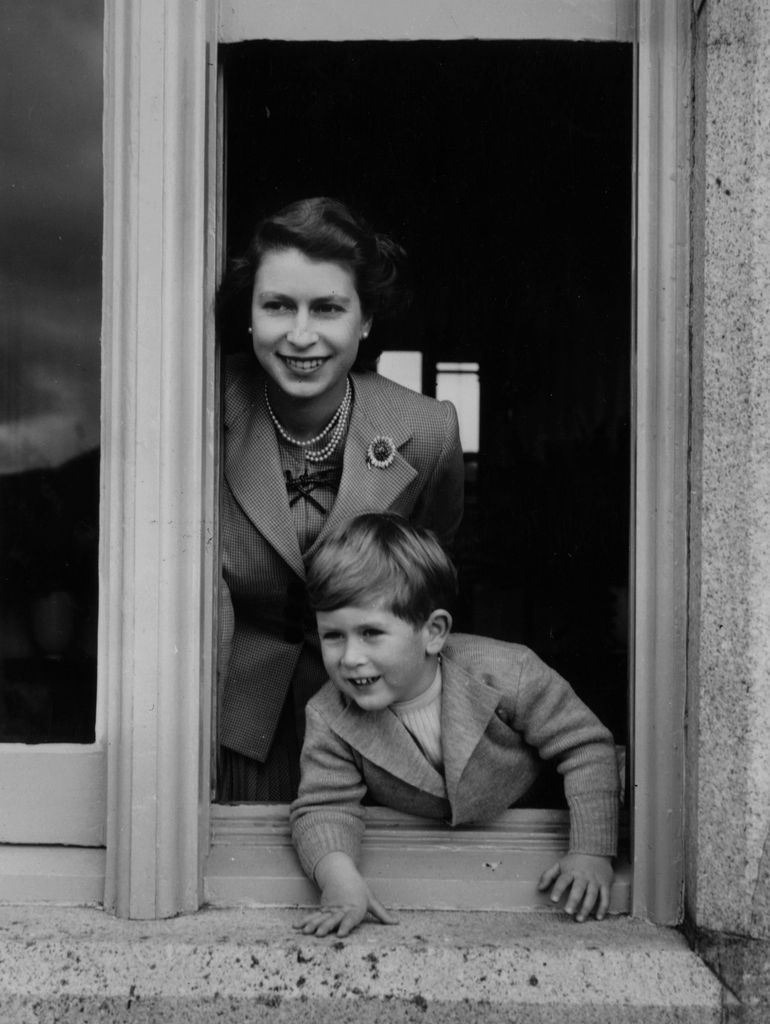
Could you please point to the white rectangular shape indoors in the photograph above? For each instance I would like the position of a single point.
(403, 367)
(458, 383)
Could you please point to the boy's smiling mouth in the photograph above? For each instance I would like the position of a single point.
(363, 681)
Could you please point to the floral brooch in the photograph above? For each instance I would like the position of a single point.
(381, 452)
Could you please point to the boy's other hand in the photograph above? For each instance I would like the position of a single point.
(588, 879)
(345, 900)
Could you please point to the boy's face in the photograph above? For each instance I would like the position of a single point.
(375, 658)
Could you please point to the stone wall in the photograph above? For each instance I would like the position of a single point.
(728, 799)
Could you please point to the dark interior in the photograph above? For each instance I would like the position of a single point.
(505, 170)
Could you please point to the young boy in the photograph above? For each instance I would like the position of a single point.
(449, 727)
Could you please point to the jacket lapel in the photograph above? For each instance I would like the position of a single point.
(467, 705)
(466, 708)
(364, 488)
(252, 440)
(380, 738)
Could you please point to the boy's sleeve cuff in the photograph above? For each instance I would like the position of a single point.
(313, 839)
(594, 823)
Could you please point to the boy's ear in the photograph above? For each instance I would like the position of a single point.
(437, 629)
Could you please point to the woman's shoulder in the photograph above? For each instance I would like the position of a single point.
(241, 385)
(374, 388)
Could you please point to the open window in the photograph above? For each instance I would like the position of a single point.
(505, 167)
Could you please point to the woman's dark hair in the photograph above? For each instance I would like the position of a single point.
(322, 229)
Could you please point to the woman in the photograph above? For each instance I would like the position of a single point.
(310, 439)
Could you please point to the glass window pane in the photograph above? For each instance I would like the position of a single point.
(50, 275)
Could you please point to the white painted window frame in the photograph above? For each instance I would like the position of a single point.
(660, 390)
(165, 850)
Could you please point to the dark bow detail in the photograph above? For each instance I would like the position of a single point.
(302, 486)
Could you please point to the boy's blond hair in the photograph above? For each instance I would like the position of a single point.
(379, 556)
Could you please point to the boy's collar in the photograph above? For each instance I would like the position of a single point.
(425, 698)
(466, 707)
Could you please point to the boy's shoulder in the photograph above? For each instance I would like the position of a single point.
(482, 655)
(327, 702)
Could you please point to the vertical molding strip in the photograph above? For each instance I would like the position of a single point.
(661, 466)
(157, 422)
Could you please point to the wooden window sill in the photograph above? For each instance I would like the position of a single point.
(412, 863)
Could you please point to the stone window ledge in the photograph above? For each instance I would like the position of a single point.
(249, 964)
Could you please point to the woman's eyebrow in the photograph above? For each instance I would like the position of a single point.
(272, 294)
(343, 300)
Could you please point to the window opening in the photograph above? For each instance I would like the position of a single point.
(509, 182)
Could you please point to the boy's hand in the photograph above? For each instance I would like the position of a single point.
(589, 879)
(345, 899)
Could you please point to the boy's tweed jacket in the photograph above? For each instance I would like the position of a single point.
(267, 633)
(503, 713)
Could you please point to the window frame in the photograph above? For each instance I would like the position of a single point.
(660, 413)
(53, 793)
(160, 434)
(660, 466)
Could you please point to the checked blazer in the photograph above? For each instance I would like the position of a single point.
(268, 640)
(503, 713)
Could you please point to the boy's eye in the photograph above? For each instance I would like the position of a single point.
(328, 638)
(370, 633)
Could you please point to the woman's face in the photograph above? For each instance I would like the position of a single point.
(306, 323)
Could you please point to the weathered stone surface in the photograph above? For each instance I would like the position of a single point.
(249, 965)
(743, 965)
(728, 876)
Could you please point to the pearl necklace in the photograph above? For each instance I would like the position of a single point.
(336, 425)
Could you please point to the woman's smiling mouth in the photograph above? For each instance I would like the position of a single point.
(300, 365)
